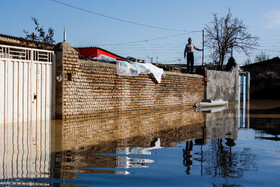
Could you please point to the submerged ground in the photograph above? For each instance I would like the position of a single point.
(219, 147)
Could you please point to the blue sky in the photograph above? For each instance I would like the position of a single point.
(164, 45)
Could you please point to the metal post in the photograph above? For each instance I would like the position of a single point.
(203, 47)
(64, 35)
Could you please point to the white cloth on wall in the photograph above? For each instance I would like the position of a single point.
(125, 68)
(105, 58)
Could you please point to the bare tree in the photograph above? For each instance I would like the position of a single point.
(261, 57)
(41, 35)
(225, 34)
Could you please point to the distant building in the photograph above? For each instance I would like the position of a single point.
(265, 79)
(91, 52)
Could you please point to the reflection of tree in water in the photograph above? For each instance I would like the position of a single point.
(220, 161)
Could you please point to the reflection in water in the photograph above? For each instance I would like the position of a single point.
(188, 156)
(146, 146)
(128, 162)
(221, 161)
(25, 151)
(222, 124)
(217, 158)
(132, 131)
(106, 143)
(266, 121)
(138, 150)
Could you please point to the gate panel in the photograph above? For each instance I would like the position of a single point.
(9, 87)
(25, 98)
(20, 92)
(2, 90)
(15, 91)
(26, 83)
(43, 91)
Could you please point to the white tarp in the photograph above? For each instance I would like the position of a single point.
(105, 58)
(125, 68)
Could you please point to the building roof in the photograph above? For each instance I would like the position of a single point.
(268, 69)
(77, 48)
(261, 64)
(22, 42)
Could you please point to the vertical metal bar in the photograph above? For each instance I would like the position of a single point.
(202, 47)
(23, 91)
(248, 102)
(238, 105)
(18, 92)
(5, 90)
(41, 88)
(47, 117)
(243, 101)
(53, 87)
(13, 105)
(36, 77)
(31, 88)
(28, 92)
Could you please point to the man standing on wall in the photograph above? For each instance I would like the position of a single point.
(189, 49)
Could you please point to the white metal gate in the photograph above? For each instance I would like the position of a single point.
(26, 84)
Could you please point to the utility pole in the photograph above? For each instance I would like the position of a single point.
(203, 47)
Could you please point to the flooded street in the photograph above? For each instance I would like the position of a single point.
(218, 147)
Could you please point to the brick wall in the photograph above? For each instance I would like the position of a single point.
(90, 89)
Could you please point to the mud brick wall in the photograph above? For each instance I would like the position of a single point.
(90, 89)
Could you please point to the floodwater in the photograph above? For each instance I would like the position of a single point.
(219, 147)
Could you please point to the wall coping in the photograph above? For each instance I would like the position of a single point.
(113, 66)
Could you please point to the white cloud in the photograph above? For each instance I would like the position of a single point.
(273, 19)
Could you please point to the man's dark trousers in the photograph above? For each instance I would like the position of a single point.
(190, 61)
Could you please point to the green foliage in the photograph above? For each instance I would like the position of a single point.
(40, 34)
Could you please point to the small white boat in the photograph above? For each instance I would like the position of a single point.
(213, 109)
(211, 103)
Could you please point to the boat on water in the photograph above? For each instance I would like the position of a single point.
(211, 109)
(211, 103)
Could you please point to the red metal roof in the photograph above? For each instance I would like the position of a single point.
(91, 52)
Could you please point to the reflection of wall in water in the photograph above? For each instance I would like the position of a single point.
(268, 125)
(24, 151)
(222, 124)
(95, 132)
(82, 141)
